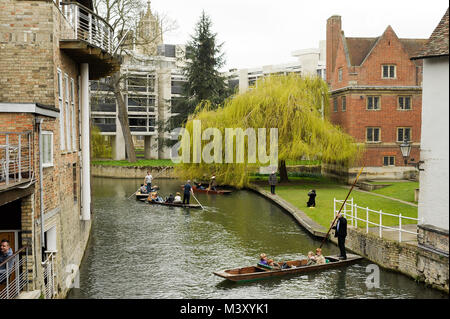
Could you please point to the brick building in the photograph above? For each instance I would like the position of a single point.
(376, 96)
(49, 52)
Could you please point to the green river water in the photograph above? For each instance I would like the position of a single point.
(137, 250)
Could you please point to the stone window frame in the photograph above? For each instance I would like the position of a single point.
(367, 134)
(67, 110)
(344, 103)
(72, 104)
(378, 104)
(62, 137)
(404, 97)
(389, 76)
(340, 74)
(389, 157)
(45, 162)
(335, 104)
(403, 133)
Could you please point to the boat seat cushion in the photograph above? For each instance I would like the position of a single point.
(264, 266)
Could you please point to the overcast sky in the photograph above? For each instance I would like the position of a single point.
(262, 32)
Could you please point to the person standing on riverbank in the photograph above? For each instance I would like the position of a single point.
(312, 199)
(187, 192)
(148, 182)
(272, 182)
(341, 233)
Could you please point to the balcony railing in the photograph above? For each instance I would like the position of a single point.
(87, 26)
(13, 274)
(49, 275)
(15, 157)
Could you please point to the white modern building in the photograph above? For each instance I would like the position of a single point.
(152, 79)
(309, 62)
(434, 174)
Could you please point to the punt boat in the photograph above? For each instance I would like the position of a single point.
(205, 190)
(171, 204)
(251, 273)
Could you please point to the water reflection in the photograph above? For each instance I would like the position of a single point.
(138, 250)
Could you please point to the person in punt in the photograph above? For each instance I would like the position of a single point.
(311, 259)
(320, 259)
(177, 199)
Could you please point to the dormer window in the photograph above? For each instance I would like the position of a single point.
(388, 71)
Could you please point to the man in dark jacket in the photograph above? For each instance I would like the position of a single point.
(272, 182)
(341, 233)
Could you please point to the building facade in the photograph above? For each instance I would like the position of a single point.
(49, 52)
(310, 62)
(152, 78)
(376, 97)
(434, 156)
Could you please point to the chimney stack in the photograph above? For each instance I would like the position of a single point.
(333, 32)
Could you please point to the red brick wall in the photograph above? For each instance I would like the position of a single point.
(356, 118)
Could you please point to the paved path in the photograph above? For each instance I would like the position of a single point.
(391, 198)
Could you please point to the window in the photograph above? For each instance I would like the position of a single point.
(389, 161)
(404, 103)
(344, 104)
(373, 102)
(72, 101)
(47, 148)
(67, 111)
(388, 72)
(335, 105)
(373, 134)
(61, 111)
(403, 133)
(340, 75)
(74, 178)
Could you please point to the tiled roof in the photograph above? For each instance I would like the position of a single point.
(437, 44)
(359, 48)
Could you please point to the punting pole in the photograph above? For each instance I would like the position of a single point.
(354, 183)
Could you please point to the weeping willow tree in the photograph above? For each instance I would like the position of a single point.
(290, 104)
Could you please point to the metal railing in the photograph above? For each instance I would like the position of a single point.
(87, 26)
(14, 274)
(351, 211)
(49, 276)
(15, 157)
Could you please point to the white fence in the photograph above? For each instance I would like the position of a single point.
(355, 213)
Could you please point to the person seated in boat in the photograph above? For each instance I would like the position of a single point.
(311, 259)
(177, 199)
(143, 189)
(156, 198)
(274, 264)
(263, 259)
(170, 199)
(320, 259)
(212, 183)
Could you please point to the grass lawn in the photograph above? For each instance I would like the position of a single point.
(138, 163)
(400, 190)
(327, 190)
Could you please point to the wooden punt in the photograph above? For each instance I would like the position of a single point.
(172, 204)
(298, 267)
(217, 191)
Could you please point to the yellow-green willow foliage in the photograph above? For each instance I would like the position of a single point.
(292, 104)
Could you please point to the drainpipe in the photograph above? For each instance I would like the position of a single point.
(85, 147)
(41, 181)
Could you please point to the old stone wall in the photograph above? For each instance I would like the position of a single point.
(411, 260)
(131, 171)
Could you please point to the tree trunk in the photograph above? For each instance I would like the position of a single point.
(123, 119)
(283, 172)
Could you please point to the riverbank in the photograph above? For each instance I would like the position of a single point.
(404, 257)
